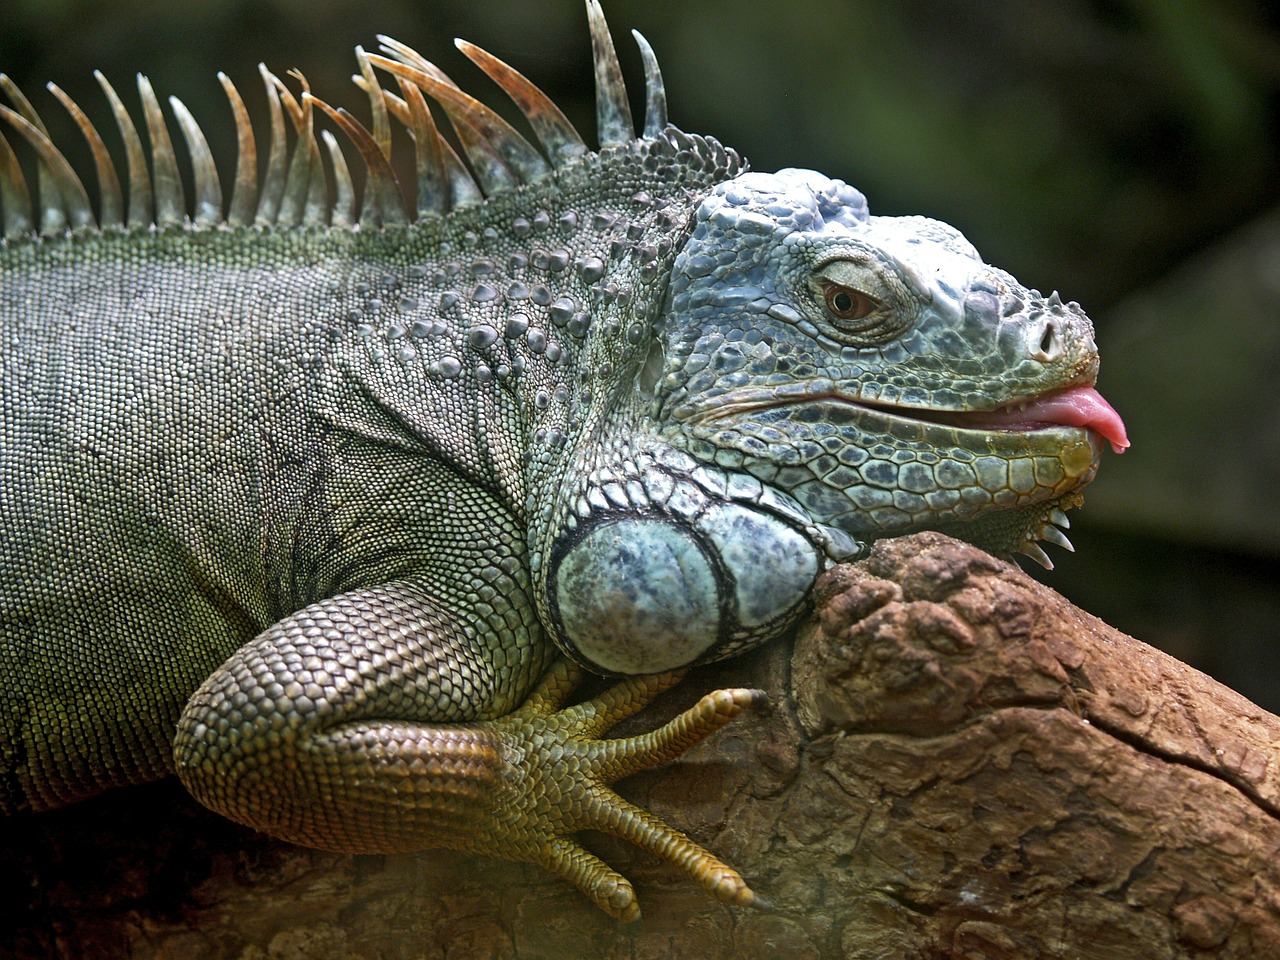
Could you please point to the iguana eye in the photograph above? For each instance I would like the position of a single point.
(845, 303)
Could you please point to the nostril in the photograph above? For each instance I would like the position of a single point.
(1048, 344)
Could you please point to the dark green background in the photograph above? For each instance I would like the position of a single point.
(1089, 147)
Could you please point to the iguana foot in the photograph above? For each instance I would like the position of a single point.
(558, 776)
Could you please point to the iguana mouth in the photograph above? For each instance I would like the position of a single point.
(1077, 406)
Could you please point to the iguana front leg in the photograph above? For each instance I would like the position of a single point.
(355, 725)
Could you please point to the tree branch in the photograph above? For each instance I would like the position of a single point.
(957, 762)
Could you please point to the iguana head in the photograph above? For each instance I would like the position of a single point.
(875, 368)
(816, 378)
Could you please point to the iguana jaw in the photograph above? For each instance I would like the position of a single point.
(1000, 477)
(1079, 406)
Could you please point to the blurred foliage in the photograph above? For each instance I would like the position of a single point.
(1084, 145)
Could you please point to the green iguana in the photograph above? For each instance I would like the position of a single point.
(308, 501)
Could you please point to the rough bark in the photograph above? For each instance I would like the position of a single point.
(957, 763)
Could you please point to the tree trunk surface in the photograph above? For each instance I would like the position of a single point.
(956, 762)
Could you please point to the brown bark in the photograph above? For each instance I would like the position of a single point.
(957, 763)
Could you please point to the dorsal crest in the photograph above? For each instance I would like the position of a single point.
(305, 179)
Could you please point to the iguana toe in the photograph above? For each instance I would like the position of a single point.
(559, 772)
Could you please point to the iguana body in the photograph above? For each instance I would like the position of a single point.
(305, 512)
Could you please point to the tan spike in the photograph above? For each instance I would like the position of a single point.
(367, 81)
(344, 202)
(406, 54)
(396, 106)
(432, 195)
(65, 183)
(171, 208)
(290, 103)
(277, 157)
(53, 215)
(462, 186)
(244, 195)
(21, 103)
(484, 135)
(655, 93)
(444, 183)
(111, 210)
(208, 209)
(381, 126)
(140, 211)
(613, 112)
(298, 181)
(558, 136)
(491, 172)
(316, 213)
(387, 204)
(14, 196)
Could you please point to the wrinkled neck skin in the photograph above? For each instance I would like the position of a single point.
(818, 378)
(657, 560)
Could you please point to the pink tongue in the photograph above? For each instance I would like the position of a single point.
(1077, 407)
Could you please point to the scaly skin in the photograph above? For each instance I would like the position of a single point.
(303, 512)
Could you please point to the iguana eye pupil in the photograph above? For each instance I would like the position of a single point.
(847, 304)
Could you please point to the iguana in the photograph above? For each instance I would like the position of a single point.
(325, 507)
